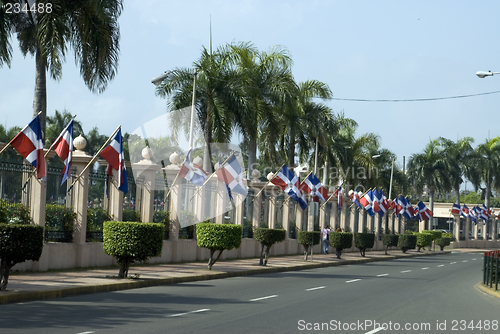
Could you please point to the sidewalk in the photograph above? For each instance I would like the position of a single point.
(25, 287)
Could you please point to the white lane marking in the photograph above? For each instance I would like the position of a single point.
(474, 259)
(425, 268)
(441, 265)
(464, 261)
(261, 298)
(405, 271)
(378, 329)
(316, 288)
(89, 332)
(180, 314)
(382, 275)
(353, 280)
(452, 262)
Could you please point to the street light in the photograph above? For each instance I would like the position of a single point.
(159, 79)
(483, 74)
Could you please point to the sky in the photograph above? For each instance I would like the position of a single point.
(369, 50)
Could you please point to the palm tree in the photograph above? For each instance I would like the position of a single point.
(57, 123)
(431, 169)
(486, 167)
(458, 155)
(265, 77)
(297, 119)
(217, 95)
(89, 27)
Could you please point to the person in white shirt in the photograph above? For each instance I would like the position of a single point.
(325, 237)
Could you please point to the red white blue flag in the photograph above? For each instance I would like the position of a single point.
(456, 209)
(232, 175)
(367, 202)
(424, 213)
(313, 186)
(464, 212)
(338, 194)
(287, 181)
(113, 154)
(63, 146)
(355, 199)
(192, 172)
(29, 144)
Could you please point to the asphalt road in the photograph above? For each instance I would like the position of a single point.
(434, 294)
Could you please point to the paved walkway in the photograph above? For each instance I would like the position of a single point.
(24, 287)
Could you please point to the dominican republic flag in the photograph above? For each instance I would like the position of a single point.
(63, 146)
(287, 181)
(313, 186)
(355, 199)
(456, 209)
(338, 194)
(424, 213)
(400, 205)
(485, 213)
(367, 202)
(232, 175)
(380, 203)
(473, 214)
(113, 154)
(192, 172)
(29, 144)
(411, 211)
(464, 212)
(392, 205)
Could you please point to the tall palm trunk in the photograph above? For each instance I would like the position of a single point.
(252, 156)
(431, 206)
(40, 99)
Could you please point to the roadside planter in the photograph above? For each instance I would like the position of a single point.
(267, 237)
(390, 240)
(129, 242)
(217, 237)
(340, 241)
(364, 241)
(308, 239)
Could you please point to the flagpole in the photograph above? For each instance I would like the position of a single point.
(269, 181)
(8, 144)
(361, 196)
(211, 175)
(94, 157)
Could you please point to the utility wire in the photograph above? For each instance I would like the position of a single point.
(416, 100)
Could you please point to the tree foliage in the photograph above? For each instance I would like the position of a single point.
(217, 237)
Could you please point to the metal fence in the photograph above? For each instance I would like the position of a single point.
(491, 269)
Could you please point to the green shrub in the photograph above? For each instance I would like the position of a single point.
(443, 242)
(96, 218)
(308, 239)
(18, 243)
(267, 237)
(163, 217)
(14, 213)
(364, 241)
(407, 241)
(434, 233)
(131, 216)
(218, 237)
(132, 241)
(423, 240)
(247, 229)
(59, 217)
(389, 240)
(340, 241)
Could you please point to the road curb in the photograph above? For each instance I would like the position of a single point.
(490, 291)
(9, 297)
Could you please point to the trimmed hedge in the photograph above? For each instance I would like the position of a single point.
(434, 233)
(424, 240)
(390, 240)
(443, 242)
(340, 241)
(308, 239)
(13, 213)
(132, 241)
(218, 237)
(364, 241)
(407, 241)
(267, 237)
(18, 243)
